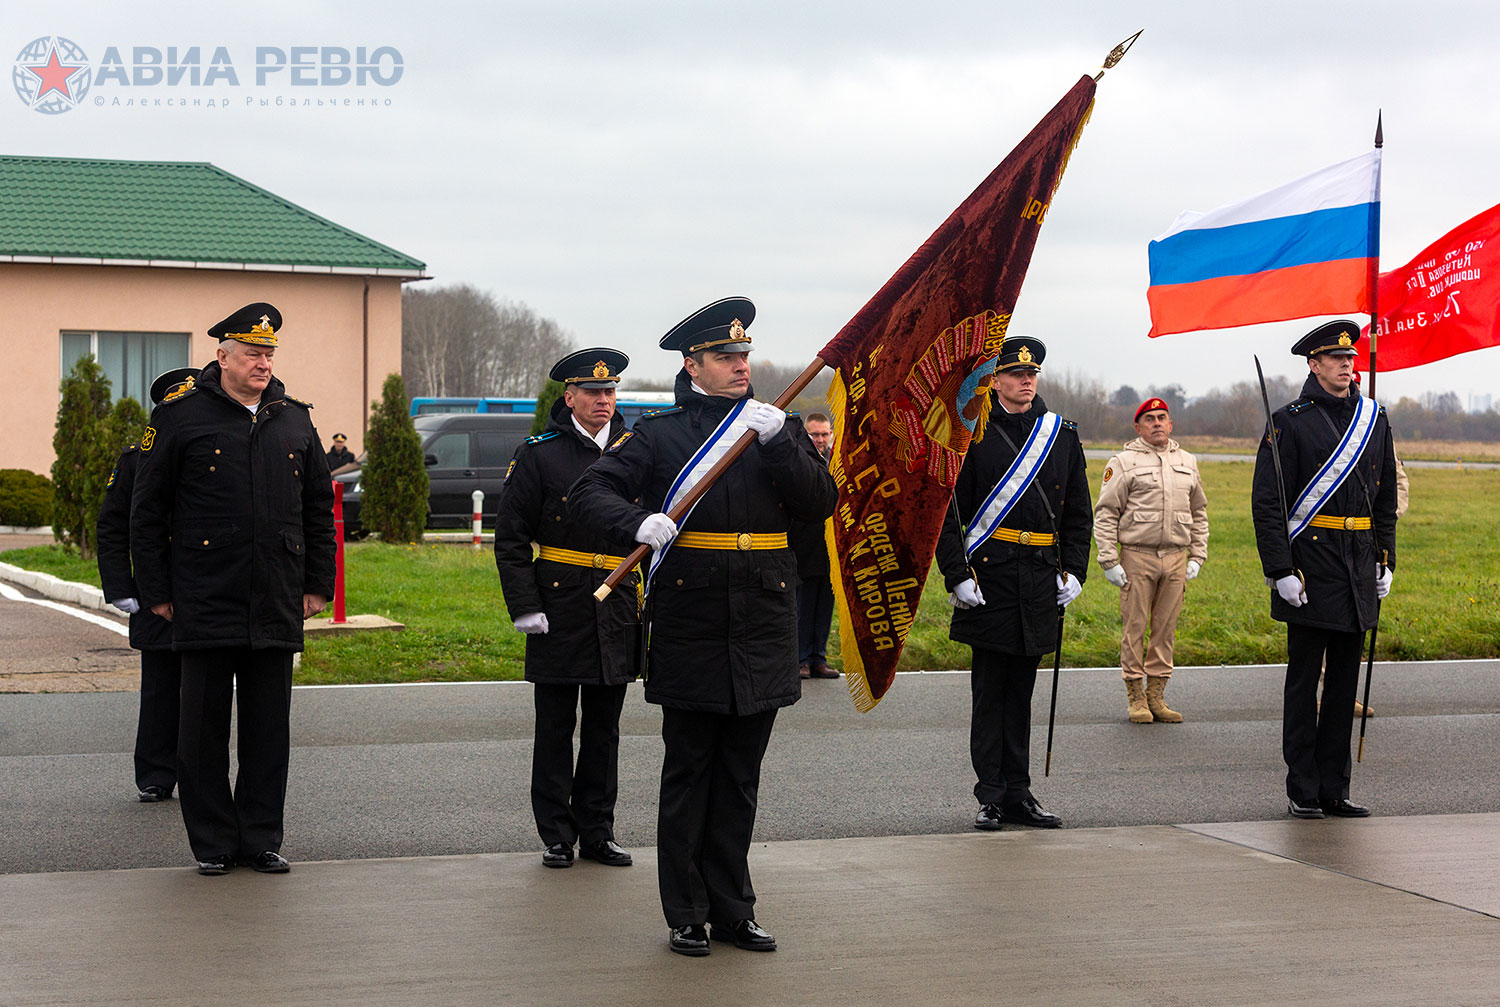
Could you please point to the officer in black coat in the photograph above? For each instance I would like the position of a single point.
(339, 455)
(231, 534)
(1006, 592)
(1328, 579)
(161, 669)
(722, 610)
(577, 649)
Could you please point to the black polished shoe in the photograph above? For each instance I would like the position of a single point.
(1028, 812)
(1299, 810)
(268, 862)
(988, 819)
(152, 794)
(214, 866)
(745, 934)
(690, 940)
(558, 855)
(607, 852)
(1344, 808)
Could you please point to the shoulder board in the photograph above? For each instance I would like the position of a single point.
(129, 448)
(1299, 405)
(654, 413)
(542, 437)
(1381, 412)
(301, 402)
(795, 413)
(1070, 425)
(179, 393)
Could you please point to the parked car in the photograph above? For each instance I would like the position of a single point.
(464, 452)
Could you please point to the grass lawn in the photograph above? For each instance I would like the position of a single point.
(1445, 602)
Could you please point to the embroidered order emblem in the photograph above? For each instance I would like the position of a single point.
(147, 439)
(1109, 471)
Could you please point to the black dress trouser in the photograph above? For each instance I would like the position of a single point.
(156, 731)
(247, 820)
(568, 802)
(1314, 740)
(1000, 725)
(710, 789)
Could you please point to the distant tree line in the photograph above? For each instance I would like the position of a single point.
(1237, 411)
(459, 340)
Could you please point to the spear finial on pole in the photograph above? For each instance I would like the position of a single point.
(1118, 53)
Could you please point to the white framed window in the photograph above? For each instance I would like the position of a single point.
(131, 360)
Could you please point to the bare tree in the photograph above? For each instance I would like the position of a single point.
(459, 340)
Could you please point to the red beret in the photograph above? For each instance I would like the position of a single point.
(1149, 405)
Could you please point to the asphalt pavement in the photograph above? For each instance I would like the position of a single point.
(428, 770)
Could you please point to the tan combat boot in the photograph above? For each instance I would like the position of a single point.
(1135, 691)
(1155, 686)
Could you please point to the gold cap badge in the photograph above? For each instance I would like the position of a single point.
(601, 370)
(1024, 357)
(1344, 339)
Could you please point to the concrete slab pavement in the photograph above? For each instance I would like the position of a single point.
(1148, 915)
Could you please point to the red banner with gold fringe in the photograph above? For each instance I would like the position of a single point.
(911, 393)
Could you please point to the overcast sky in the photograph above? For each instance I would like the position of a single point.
(617, 165)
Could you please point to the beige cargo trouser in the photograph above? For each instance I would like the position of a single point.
(1152, 596)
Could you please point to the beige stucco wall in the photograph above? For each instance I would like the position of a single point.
(320, 357)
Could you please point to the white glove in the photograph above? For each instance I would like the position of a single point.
(966, 595)
(656, 531)
(765, 419)
(130, 606)
(1383, 583)
(1193, 568)
(1291, 591)
(532, 622)
(1068, 588)
(1116, 575)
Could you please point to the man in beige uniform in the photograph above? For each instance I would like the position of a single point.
(1151, 524)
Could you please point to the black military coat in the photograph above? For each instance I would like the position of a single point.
(338, 457)
(1338, 565)
(811, 546)
(232, 519)
(1019, 582)
(723, 623)
(587, 642)
(148, 631)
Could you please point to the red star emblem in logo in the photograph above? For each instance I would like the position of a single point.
(54, 75)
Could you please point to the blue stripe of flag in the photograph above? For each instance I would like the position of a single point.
(1262, 245)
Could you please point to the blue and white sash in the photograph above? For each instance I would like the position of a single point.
(1020, 475)
(708, 454)
(1336, 469)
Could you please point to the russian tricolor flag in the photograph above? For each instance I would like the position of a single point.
(1306, 248)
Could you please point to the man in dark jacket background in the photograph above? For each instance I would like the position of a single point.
(161, 668)
(722, 609)
(231, 534)
(815, 594)
(577, 649)
(1019, 555)
(1330, 561)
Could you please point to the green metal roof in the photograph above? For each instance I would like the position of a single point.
(140, 211)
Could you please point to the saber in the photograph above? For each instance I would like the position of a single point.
(1364, 713)
(1062, 611)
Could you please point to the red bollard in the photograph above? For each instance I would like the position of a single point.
(338, 561)
(478, 498)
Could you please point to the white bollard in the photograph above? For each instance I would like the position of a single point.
(478, 512)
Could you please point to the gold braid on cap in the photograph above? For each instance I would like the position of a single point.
(736, 335)
(260, 335)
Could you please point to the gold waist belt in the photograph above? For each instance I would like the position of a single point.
(1037, 538)
(1346, 523)
(743, 541)
(572, 557)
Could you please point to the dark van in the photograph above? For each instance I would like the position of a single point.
(464, 452)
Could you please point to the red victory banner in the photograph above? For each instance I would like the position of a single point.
(1443, 302)
(911, 393)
